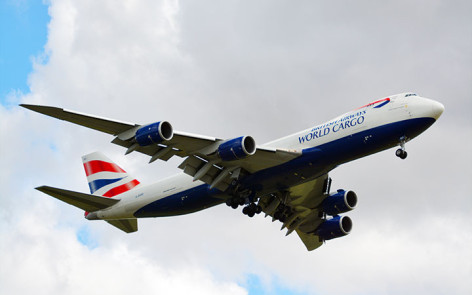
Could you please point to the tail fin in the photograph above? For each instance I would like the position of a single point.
(105, 178)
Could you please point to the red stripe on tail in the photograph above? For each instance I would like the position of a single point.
(96, 166)
(121, 189)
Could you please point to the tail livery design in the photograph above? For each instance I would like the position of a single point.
(105, 178)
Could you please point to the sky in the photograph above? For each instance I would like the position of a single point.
(23, 34)
(226, 69)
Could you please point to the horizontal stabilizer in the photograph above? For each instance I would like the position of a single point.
(126, 225)
(311, 241)
(83, 201)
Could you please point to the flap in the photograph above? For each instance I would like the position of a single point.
(311, 241)
(300, 208)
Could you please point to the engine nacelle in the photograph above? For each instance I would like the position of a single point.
(154, 133)
(336, 227)
(238, 148)
(339, 202)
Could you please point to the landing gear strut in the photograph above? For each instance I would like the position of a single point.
(401, 152)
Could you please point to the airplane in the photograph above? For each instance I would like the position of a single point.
(287, 178)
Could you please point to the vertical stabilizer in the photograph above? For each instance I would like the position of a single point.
(105, 178)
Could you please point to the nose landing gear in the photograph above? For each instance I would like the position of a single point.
(401, 152)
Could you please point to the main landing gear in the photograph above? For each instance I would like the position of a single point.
(245, 198)
(252, 209)
(235, 202)
(401, 152)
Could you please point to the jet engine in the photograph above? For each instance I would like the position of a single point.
(154, 133)
(339, 202)
(237, 148)
(336, 227)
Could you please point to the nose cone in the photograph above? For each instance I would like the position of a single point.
(437, 109)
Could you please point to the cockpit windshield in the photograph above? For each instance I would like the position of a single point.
(410, 94)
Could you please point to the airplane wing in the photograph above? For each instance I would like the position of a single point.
(300, 211)
(201, 152)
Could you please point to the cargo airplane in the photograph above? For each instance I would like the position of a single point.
(287, 178)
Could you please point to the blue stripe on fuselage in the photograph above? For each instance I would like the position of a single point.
(321, 159)
(188, 201)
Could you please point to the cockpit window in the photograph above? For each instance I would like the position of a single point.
(410, 94)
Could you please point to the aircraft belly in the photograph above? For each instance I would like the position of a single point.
(187, 201)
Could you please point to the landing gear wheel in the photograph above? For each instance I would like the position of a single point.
(251, 210)
(258, 209)
(399, 153)
(246, 210)
(402, 154)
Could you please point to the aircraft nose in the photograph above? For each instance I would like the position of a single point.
(437, 109)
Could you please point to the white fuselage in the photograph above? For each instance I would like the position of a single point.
(366, 130)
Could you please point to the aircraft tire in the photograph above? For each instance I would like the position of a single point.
(246, 210)
(258, 209)
(398, 153)
(401, 154)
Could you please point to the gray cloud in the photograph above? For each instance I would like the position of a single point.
(266, 69)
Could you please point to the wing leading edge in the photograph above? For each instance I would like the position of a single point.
(202, 161)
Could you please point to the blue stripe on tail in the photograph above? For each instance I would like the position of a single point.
(99, 183)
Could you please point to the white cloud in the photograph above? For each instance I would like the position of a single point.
(42, 256)
(227, 69)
